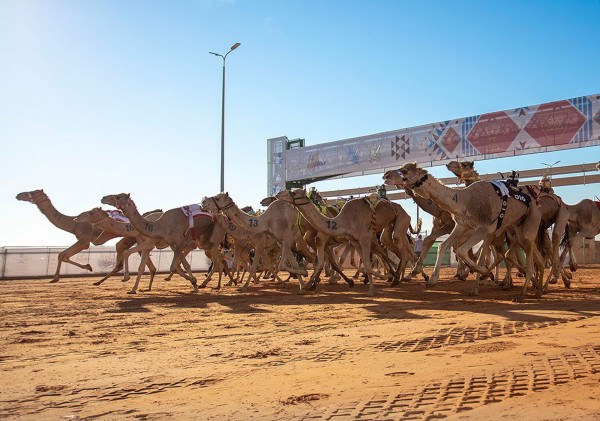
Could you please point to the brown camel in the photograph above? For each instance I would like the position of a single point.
(479, 213)
(443, 223)
(553, 212)
(144, 246)
(358, 223)
(322, 244)
(85, 232)
(172, 227)
(278, 220)
(584, 222)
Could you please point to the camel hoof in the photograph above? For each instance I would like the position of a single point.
(567, 283)
(519, 299)
(54, 281)
(243, 289)
(216, 288)
(97, 283)
(553, 281)
(202, 286)
(124, 279)
(131, 292)
(396, 282)
(520, 274)
(88, 267)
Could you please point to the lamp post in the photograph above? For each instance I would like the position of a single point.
(233, 47)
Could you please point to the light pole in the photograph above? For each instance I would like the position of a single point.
(233, 47)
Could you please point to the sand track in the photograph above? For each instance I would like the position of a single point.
(74, 351)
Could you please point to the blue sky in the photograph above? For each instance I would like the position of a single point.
(101, 97)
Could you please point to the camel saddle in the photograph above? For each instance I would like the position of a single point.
(373, 200)
(537, 193)
(505, 189)
(117, 215)
(194, 211)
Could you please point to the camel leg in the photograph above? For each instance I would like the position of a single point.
(463, 252)
(145, 254)
(456, 233)
(65, 256)
(364, 248)
(179, 258)
(428, 242)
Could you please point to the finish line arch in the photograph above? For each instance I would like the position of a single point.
(552, 126)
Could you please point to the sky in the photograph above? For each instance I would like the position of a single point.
(101, 97)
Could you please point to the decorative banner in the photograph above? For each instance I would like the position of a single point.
(552, 126)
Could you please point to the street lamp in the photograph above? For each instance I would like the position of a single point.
(233, 47)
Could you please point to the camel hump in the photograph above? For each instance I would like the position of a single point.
(373, 200)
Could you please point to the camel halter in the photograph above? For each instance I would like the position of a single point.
(417, 183)
(37, 198)
(219, 208)
(295, 201)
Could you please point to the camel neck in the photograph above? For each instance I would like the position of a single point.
(141, 224)
(433, 189)
(320, 222)
(58, 219)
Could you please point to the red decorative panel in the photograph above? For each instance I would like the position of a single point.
(555, 123)
(493, 133)
(450, 140)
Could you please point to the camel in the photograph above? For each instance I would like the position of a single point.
(358, 223)
(583, 222)
(144, 246)
(85, 232)
(277, 220)
(553, 210)
(322, 244)
(172, 227)
(443, 223)
(482, 215)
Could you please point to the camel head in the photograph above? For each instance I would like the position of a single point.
(117, 200)
(217, 203)
(465, 171)
(92, 216)
(35, 196)
(293, 196)
(393, 178)
(268, 200)
(412, 174)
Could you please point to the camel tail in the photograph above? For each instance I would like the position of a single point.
(417, 228)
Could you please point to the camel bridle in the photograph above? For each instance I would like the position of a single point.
(221, 208)
(412, 184)
(37, 198)
(295, 201)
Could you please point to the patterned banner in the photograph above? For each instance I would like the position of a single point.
(552, 126)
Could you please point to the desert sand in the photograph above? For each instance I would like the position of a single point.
(74, 351)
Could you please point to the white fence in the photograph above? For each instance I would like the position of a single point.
(25, 262)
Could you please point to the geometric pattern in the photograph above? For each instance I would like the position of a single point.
(538, 128)
(493, 133)
(450, 140)
(400, 147)
(555, 123)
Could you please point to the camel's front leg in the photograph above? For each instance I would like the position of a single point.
(456, 234)
(65, 256)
